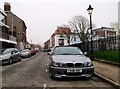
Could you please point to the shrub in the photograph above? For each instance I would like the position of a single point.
(108, 55)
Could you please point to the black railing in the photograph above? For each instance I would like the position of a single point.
(110, 43)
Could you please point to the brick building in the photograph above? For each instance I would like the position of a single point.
(104, 32)
(61, 36)
(17, 27)
(106, 37)
(5, 38)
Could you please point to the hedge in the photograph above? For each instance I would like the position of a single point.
(108, 55)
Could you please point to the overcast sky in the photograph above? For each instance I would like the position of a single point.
(43, 16)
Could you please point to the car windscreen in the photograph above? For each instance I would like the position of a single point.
(6, 51)
(67, 51)
(1, 51)
(26, 50)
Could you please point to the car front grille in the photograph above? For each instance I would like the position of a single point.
(73, 64)
(73, 74)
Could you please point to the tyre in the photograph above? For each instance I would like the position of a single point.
(10, 61)
(19, 59)
(90, 76)
(51, 76)
(28, 55)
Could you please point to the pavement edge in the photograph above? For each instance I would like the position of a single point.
(116, 85)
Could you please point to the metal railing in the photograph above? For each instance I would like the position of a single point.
(7, 36)
(4, 35)
(12, 38)
(110, 43)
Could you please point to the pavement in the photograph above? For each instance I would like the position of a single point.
(108, 72)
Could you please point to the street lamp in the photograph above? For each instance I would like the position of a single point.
(90, 10)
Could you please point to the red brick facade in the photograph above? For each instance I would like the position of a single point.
(59, 31)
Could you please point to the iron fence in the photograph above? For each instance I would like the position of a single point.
(109, 43)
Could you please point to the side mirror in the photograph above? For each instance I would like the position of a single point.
(85, 53)
(12, 52)
(49, 53)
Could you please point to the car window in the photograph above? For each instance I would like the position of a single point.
(1, 51)
(26, 50)
(67, 51)
(16, 51)
(6, 51)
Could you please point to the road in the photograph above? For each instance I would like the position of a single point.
(33, 72)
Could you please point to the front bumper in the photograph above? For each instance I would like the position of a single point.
(4, 61)
(24, 55)
(62, 72)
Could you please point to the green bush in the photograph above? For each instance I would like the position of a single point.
(108, 55)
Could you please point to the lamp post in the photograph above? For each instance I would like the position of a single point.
(90, 10)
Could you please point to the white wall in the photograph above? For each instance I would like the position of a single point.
(57, 37)
(72, 39)
(50, 42)
(20, 46)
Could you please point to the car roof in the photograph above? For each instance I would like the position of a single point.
(66, 46)
(7, 48)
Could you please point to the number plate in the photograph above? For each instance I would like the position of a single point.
(74, 70)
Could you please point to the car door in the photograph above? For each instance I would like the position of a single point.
(13, 56)
(17, 54)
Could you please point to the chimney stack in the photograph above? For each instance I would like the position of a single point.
(7, 6)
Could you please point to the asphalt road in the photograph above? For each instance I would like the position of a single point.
(33, 72)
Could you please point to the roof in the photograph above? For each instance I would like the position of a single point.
(103, 28)
(2, 12)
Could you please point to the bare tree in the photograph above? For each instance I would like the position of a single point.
(80, 25)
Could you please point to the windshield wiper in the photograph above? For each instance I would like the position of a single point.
(77, 54)
(65, 54)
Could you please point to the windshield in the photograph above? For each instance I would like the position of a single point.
(1, 51)
(26, 50)
(5, 51)
(67, 51)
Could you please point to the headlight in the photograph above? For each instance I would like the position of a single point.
(6, 58)
(0, 58)
(87, 64)
(57, 64)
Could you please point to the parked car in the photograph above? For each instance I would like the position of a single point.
(25, 53)
(37, 49)
(9, 55)
(69, 62)
(33, 51)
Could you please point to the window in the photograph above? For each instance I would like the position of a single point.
(74, 39)
(1, 18)
(61, 41)
(6, 51)
(15, 50)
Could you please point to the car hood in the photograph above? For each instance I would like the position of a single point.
(5, 56)
(24, 52)
(70, 58)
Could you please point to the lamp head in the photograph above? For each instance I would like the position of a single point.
(90, 9)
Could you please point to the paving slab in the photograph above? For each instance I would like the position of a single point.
(109, 71)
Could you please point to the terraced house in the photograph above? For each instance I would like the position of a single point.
(5, 38)
(17, 27)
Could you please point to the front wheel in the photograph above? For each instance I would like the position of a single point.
(90, 76)
(19, 59)
(10, 61)
(50, 75)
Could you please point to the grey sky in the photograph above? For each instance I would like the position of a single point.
(43, 16)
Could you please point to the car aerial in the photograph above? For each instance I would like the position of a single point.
(25, 53)
(68, 61)
(9, 55)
